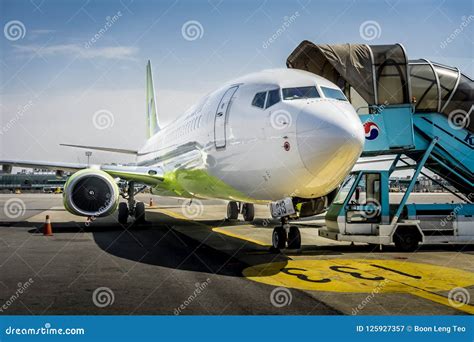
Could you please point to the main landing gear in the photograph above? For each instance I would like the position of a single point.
(286, 236)
(246, 209)
(131, 208)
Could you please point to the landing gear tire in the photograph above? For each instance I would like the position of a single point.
(122, 213)
(279, 238)
(248, 212)
(294, 238)
(140, 212)
(232, 210)
(406, 241)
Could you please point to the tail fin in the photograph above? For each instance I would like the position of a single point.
(151, 114)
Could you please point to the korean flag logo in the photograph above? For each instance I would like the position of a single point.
(371, 130)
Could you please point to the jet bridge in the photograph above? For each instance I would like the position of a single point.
(403, 104)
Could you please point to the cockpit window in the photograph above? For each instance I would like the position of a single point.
(300, 93)
(273, 97)
(333, 93)
(259, 100)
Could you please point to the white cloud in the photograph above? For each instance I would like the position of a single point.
(109, 52)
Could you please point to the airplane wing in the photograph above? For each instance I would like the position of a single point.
(104, 149)
(141, 174)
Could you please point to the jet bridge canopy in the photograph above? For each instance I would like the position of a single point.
(381, 74)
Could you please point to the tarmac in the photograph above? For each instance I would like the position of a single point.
(187, 260)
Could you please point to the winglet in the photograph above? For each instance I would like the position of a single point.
(151, 113)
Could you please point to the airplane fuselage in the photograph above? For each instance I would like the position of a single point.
(234, 145)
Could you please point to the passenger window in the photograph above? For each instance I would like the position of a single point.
(273, 97)
(259, 99)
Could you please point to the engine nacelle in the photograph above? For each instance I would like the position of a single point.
(91, 192)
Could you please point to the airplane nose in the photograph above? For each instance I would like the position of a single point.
(330, 140)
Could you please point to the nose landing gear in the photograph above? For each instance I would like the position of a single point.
(286, 235)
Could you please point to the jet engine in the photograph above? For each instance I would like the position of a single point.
(91, 192)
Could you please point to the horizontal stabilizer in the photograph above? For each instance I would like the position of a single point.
(105, 149)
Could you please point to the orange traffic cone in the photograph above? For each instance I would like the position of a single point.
(47, 229)
(151, 202)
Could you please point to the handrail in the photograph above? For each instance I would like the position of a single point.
(408, 191)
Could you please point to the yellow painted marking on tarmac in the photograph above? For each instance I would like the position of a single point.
(366, 276)
(175, 215)
(239, 236)
(216, 229)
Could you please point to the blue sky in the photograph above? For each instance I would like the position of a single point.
(67, 83)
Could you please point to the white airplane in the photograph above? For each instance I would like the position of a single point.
(282, 137)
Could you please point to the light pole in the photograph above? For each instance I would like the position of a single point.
(88, 155)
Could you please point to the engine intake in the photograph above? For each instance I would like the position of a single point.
(91, 193)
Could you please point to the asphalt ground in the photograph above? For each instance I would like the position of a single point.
(187, 259)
